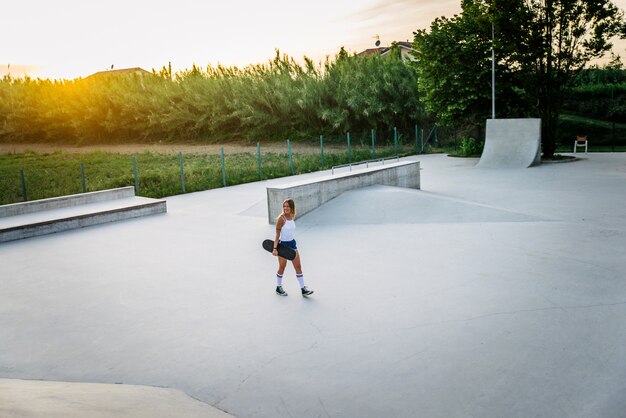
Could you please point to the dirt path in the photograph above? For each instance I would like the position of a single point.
(163, 148)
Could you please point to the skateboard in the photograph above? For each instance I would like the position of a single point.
(283, 251)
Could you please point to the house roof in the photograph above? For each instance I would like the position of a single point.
(382, 50)
(122, 71)
(374, 51)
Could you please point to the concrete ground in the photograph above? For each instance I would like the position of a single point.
(30, 398)
(489, 293)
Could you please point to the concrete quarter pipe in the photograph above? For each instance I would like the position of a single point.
(511, 143)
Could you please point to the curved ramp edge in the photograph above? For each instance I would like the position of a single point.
(511, 143)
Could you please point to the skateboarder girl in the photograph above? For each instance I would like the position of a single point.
(285, 228)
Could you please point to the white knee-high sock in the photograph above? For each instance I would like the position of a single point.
(279, 279)
(300, 278)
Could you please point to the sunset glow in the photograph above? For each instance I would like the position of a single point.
(72, 38)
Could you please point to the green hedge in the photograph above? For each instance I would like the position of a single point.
(599, 132)
(278, 100)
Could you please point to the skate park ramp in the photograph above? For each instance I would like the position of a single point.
(511, 143)
(396, 205)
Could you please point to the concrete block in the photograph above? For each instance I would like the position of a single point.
(33, 206)
(89, 216)
(311, 194)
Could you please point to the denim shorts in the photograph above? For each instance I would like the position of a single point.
(291, 244)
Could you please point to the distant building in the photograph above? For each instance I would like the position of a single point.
(123, 71)
(405, 51)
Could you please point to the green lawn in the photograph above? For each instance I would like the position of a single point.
(159, 175)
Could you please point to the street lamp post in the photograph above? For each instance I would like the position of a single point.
(493, 75)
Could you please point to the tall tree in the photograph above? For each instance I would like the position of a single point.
(372, 92)
(541, 45)
(559, 38)
(454, 66)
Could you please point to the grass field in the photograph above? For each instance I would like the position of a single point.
(58, 173)
(50, 172)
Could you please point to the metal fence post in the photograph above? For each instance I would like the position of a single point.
(23, 181)
(182, 171)
(258, 158)
(373, 144)
(349, 160)
(223, 167)
(417, 139)
(322, 149)
(290, 157)
(395, 139)
(82, 177)
(136, 177)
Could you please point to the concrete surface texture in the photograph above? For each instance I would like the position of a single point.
(511, 143)
(96, 400)
(490, 293)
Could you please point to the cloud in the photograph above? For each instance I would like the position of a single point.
(402, 12)
(396, 20)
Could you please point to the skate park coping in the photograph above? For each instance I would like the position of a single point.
(310, 194)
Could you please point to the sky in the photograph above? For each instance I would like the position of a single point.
(75, 38)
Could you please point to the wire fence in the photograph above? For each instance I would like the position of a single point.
(32, 176)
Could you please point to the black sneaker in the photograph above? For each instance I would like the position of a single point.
(280, 291)
(306, 292)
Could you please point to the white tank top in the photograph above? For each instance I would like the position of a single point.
(287, 232)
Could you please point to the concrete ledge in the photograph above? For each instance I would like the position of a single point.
(47, 216)
(65, 201)
(88, 218)
(314, 193)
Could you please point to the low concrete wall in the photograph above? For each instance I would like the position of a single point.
(144, 207)
(511, 143)
(65, 201)
(47, 216)
(311, 194)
